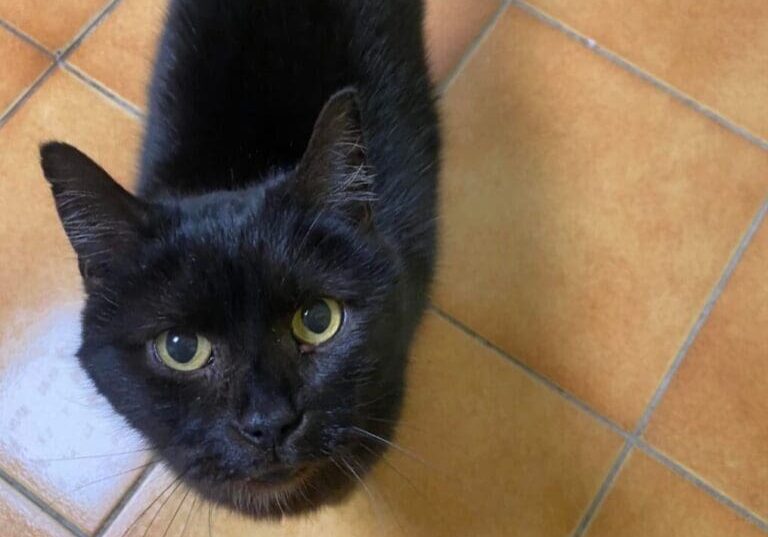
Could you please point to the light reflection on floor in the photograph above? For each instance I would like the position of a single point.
(58, 432)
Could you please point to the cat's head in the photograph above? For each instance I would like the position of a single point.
(257, 338)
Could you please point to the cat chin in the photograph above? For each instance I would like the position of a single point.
(305, 491)
(287, 485)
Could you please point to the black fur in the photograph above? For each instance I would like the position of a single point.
(291, 153)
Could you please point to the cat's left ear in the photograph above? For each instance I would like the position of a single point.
(102, 220)
(334, 171)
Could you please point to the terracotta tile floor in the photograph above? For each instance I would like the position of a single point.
(596, 357)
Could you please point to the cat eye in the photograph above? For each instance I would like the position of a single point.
(183, 351)
(318, 321)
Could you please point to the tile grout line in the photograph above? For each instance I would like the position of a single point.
(86, 30)
(677, 469)
(635, 437)
(108, 520)
(532, 373)
(14, 107)
(62, 57)
(604, 489)
(28, 39)
(715, 294)
(698, 482)
(487, 29)
(625, 64)
(97, 86)
(58, 57)
(40, 504)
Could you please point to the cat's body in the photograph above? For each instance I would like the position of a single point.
(291, 155)
(239, 85)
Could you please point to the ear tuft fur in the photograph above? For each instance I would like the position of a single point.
(334, 171)
(101, 219)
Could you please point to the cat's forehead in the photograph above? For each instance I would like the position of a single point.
(223, 204)
(263, 238)
(222, 222)
(245, 229)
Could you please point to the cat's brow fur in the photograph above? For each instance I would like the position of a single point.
(291, 152)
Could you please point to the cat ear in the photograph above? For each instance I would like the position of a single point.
(102, 220)
(334, 170)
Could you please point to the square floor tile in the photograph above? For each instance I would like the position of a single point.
(586, 215)
(21, 518)
(22, 64)
(715, 52)
(451, 26)
(53, 23)
(120, 53)
(504, 456)
(714, 418)
(649, 500)
(55, 428)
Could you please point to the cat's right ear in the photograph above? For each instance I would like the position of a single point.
(334, 171)
(103, 221)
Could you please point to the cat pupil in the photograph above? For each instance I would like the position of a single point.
(317, 317)
(181, 347)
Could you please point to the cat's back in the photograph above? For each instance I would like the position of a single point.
(238, 85)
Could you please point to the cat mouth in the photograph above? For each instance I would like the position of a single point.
(278, 479)
(276, 476)
(281, 490)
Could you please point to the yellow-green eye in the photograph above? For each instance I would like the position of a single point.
(317, 322)
(183, 351)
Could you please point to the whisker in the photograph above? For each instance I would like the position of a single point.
(395, 469)
(376, 400)
(189, 516)
(210, 523)
(390, 444)
(103, 455)
(146, 509)
(158, 449)
(358, 478)
(410, 427)
(309, 231)
(303, 491)
(176, 512)
(341, 469)
(384, 420)
(113, 476)
(371, 495)
(279, 504)
(162, 506)
(421, 493)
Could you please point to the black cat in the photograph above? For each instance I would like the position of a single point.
(250, 312)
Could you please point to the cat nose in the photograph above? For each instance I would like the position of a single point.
(267, 429)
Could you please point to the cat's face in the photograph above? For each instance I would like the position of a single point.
(256, 337)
